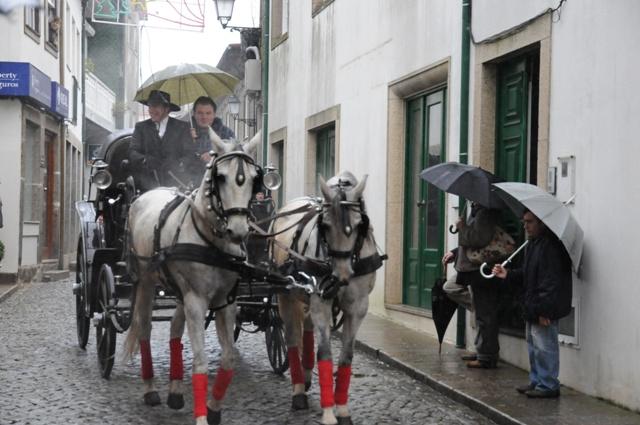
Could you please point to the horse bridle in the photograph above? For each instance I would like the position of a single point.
(212, 189)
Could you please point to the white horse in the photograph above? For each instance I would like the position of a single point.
(338, 233)
(192, 244)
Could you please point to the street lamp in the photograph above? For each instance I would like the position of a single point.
(233, 107)
(224, 10)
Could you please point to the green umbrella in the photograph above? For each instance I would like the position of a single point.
(186, 82)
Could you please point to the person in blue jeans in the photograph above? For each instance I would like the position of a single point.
(546, 277)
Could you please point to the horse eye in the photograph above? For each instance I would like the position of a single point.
(220, 178)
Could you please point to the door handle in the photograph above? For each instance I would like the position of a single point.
(421, 203)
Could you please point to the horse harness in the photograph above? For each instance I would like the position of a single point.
(210, 254)
(298, 260)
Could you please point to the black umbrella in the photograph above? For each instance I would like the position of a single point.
(470, 182)
(442, 309)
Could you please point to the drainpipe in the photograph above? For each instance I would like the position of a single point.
(464, 130)
(266, 48)
(63, 143)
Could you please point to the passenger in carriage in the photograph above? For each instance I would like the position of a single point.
(161, 146)
(204, 114)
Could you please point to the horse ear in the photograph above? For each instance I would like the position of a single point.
(252, 145)
(326, 190)
(216, 142)
(359, 189)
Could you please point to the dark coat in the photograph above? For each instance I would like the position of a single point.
(546, 277)
(203, 142)
(174, 152)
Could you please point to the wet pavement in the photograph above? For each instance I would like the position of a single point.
(46, 379)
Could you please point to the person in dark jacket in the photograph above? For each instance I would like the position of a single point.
(204, 113)
(546, 276)
(476, 232)
(161, 146)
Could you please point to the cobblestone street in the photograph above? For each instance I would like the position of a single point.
(46, 379)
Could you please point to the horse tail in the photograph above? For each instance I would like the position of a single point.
(141, 305)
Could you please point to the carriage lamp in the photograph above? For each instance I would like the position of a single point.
(102, 179)
(271, 178)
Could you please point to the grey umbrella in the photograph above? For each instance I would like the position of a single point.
(470, 182)
(549, 209)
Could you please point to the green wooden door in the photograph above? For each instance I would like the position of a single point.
(325, 155)
(512, 151)
(512, 112)
(424, 204)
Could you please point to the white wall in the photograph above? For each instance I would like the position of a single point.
(594, 116)
(347, 55)
(10, 123)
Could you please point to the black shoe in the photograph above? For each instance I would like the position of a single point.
(481, 364)
(524, 388)
(543, 394)
(469, 357)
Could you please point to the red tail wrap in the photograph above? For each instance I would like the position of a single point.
(342, 384)
(307, 350)
(199, 382)
(325, 377)
(294, 366)
(223, 379)
(145, 362)
(176, 367)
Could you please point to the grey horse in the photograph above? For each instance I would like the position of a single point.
(339, 234)
(212, 222)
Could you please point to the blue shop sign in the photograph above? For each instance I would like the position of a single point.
(59, 99)
(25, 80)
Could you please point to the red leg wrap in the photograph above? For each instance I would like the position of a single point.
(146, 362)
(294, 366)
(342, 384)
(176, 368)
(307, 350)
(325, 377)
(223, 379)
(199, 382)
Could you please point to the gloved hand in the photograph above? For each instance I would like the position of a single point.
(153, 162)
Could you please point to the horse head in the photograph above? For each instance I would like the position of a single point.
(227, 186)
(344, 221)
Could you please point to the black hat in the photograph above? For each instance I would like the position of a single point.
(161, 97)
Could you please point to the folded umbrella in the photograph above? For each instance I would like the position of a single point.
(468, 181)
(549, 209)
(442, 309)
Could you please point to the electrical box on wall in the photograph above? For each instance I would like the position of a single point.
(566, 178)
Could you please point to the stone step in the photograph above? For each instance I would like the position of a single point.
(48, 265)
(53, 275)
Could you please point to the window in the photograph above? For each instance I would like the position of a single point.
(32, 20)
(53, 24)
(74, 105)
(279, 21)
(325, 154)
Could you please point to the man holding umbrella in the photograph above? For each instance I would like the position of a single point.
(161, 146)
(546, 276)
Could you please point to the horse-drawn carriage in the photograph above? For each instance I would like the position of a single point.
(104, 290)
(317, 251)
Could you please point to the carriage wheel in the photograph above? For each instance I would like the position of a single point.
(337, 315)
(105, 331)
(275, 340)
(82, 318)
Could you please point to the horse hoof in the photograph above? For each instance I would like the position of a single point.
(307, 385)
(344, 420)
(213, 418)
(299, 402)
(152, 398)
(175, 401)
